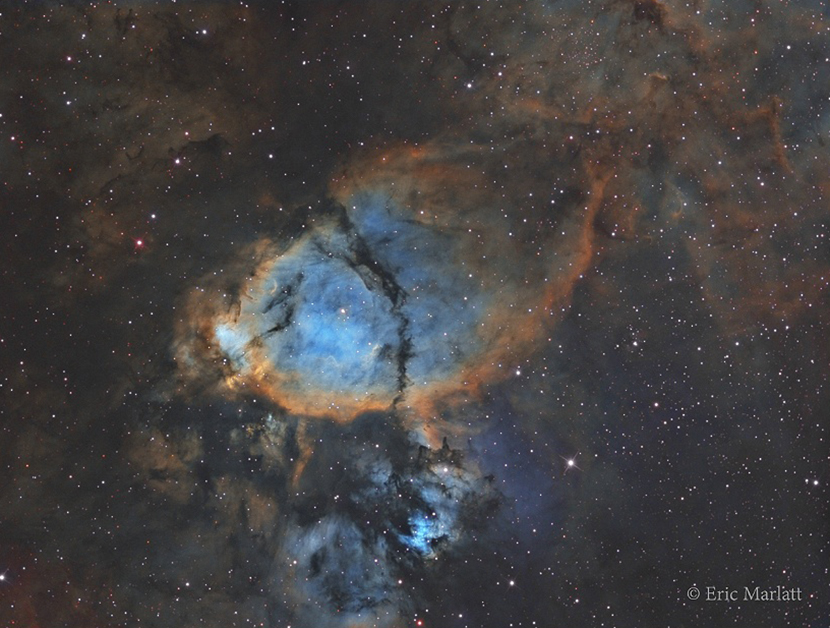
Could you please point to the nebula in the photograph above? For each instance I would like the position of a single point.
(365, 308)
(308, 305)
(390, 529)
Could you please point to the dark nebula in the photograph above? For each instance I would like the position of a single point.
(441, 314)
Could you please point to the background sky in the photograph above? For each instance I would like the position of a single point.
(346, 314)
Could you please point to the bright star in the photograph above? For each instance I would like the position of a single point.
(570, 463)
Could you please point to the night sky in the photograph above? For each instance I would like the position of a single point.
(441, 314)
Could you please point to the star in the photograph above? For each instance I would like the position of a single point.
(570, 463)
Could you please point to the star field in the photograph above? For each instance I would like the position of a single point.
(415, 314)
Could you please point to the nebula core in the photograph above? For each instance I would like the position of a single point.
(366, 308)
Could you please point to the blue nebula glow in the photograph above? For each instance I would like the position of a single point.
(323, 320)
(359, 533)
(362, 306)
(339, 564)
(442, 304)
(425, 531)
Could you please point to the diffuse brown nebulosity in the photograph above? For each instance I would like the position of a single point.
(650, 10)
